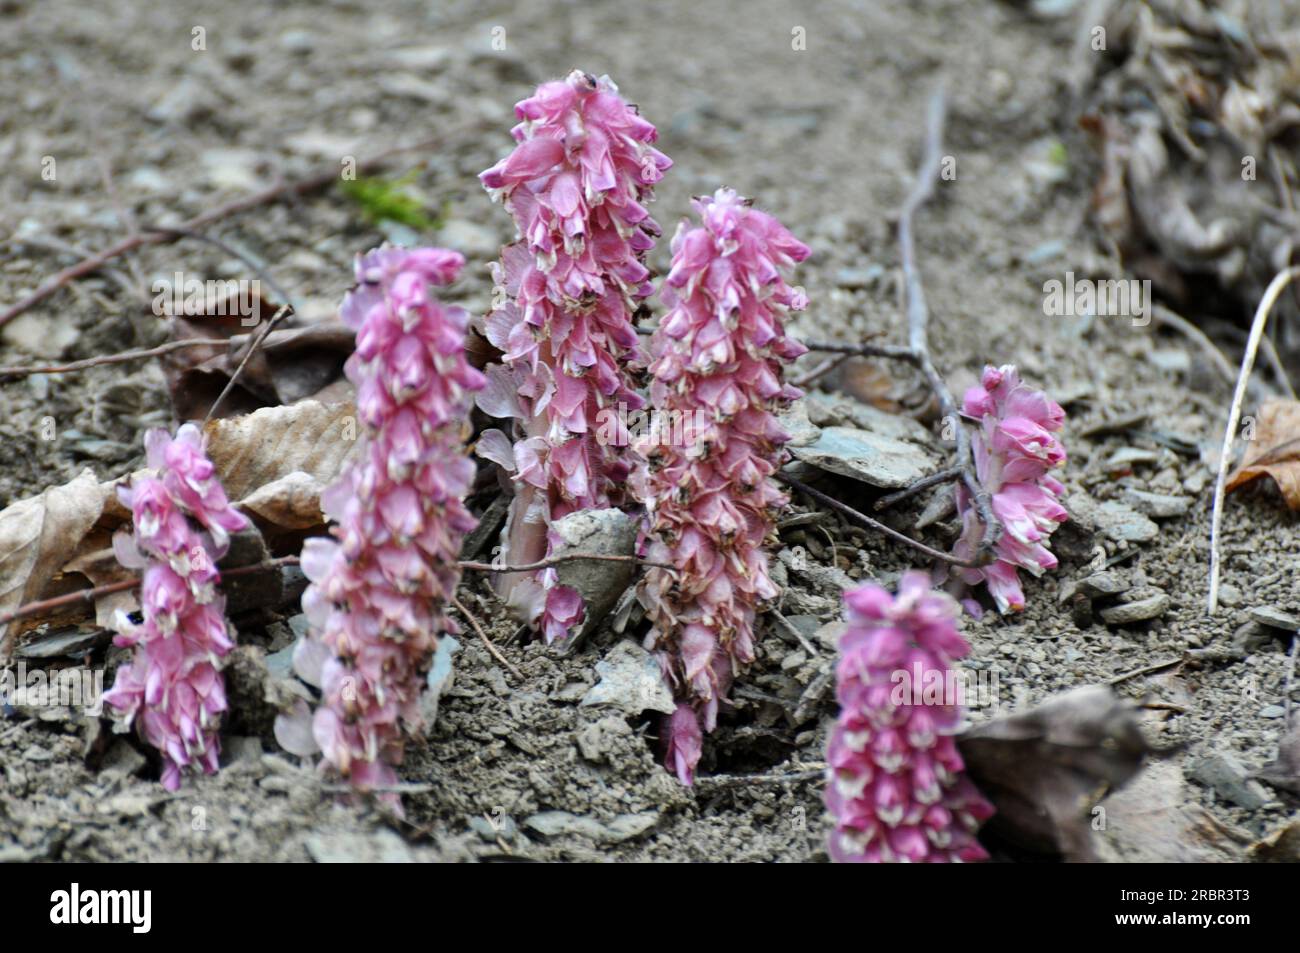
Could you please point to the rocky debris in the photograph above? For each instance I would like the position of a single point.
(63, 643)
(1126, 458)
(562, 823)
(871, 457)
(599, 582)
(490, 829)
(1275, 618)
(1103, 585)
(1148, 603)
(597, 740)
(381, 846)
(1157, 505)
(796, 423)
(1228, 778)
(1250, 637)
(1115, 520)
(632, 681)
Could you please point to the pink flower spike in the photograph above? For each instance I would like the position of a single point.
(379, 588)
(718, 358)
(173, 681)
(1014, 448)
(576, 184)
(895, 786)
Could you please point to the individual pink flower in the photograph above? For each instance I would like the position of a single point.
(896, 786)
(717, 363)
(1015, 447)
(376, 605)
(172, 688)
(577, 185)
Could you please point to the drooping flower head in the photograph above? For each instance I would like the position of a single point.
(376, 604)
(173, 687)
(577, 185)
(896, 786)
(718, 358)
(1015, 447)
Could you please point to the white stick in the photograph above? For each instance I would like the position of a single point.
(1279, 282)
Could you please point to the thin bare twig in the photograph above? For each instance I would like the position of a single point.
(875, 524)
(917, 350)
(1275, 288)
(123, 357)
(934, 479)
(285, 309)
(743, 780)
(487, 643)
(1146, 670)
(820, 371)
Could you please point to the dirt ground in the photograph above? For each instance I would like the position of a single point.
(147, 130)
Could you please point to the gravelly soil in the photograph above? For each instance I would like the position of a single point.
(824, 137)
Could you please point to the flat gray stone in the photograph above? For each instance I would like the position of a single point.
(631, 681)
(1103, 584)
(1142, 610)
(1275, 618)
(1157, 505)
(562, 823)
(1228, 778)
(873, 458)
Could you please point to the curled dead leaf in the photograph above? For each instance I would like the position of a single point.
(1275, 451)
(267, 445)
(36, 537)
(1047, 768)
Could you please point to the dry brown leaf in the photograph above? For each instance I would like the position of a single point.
(1275, 451)
(269, 444)
(291, 502)
(38, 534)
(99, 564)
(1046, 769)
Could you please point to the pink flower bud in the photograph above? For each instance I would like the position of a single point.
(717, 358)
(378, 590)
(895, 786)
(173, 682)
(576, 185)
(1014, 449)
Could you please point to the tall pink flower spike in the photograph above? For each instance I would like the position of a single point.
(576, 185)
(1015, 448)
(717, 360)
(375, 608)
(173, 683)
(896, 787)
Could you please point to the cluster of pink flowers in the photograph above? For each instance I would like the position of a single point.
(173, 684)
(896, 787)
(718, 356)
(1014, 449)
(376, 603)
(576, 185)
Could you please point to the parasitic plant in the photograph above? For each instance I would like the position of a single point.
(717, 361)
(379, 588)
(1015, 447)
(896, 786)
(173, 687)
(576, 185)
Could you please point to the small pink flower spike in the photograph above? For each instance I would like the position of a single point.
(375, 607)
(173, 685)
(1014, 448)
(718, 359)
(896, 786)
(577, 185)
